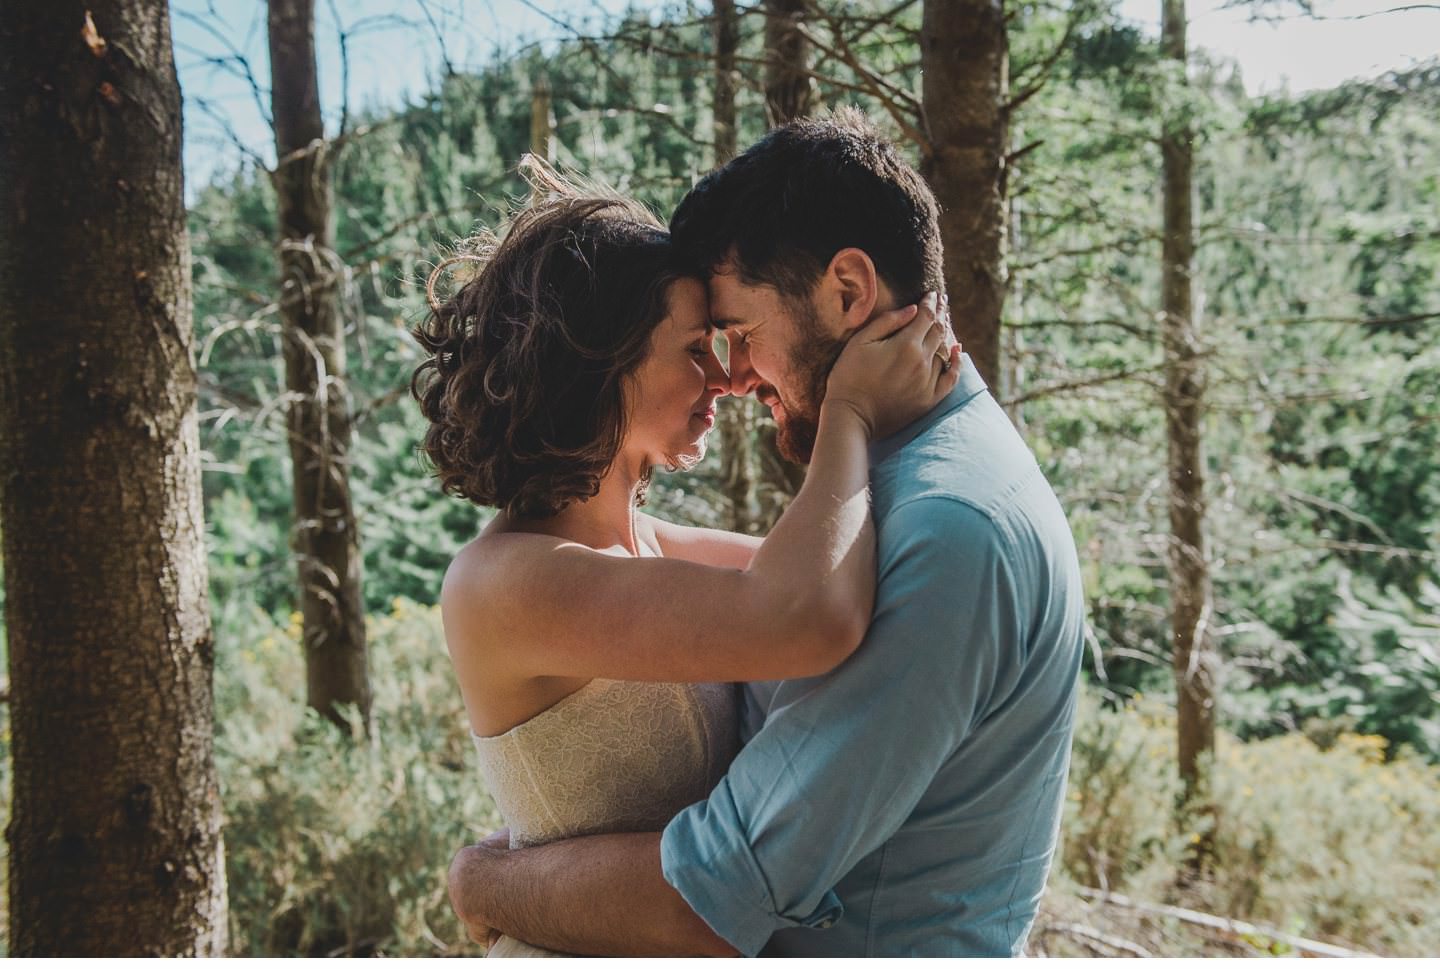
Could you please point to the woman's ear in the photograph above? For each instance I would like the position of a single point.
(854, 287)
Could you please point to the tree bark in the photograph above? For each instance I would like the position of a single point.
(1193, 653)
(115, 835)
(325, 538)
(964, 62)
(789, 94)
(726, 30)
(542, 120)
(789, 90)
(737, 415)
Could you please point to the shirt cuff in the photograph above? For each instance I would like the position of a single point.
(706, 857)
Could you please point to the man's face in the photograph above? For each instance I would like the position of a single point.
(780, 350)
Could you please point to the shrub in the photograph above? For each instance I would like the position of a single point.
(339, 844)
(1338, 844)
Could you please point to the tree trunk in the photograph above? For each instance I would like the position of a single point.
(115, 834)
(726, 30)
(1190, 595)
(964, 62)
(542, 120)
(1012, 370)
(325, 539)
(789, 91)
(789, 94)
(737, 415)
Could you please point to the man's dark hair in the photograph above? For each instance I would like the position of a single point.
(524, 377)
(808, 189)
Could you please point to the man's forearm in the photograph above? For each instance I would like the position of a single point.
(600, 895)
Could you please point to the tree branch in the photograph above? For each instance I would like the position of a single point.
(1072, 385)
(1232, 928)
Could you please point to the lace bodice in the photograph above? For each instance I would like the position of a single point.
(613, 756)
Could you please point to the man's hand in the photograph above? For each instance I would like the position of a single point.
(465, 869)
(895, 368)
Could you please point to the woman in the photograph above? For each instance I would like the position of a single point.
(595, 645)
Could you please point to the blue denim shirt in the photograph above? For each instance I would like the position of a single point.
(908, 802)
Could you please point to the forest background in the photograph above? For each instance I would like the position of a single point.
(1316, 307)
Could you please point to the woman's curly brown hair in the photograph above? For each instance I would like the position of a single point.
(524, 383)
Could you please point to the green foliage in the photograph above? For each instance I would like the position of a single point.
(6, 792)
(1319, 251)
(1336, 842)
(1315, 281)
(336, 844)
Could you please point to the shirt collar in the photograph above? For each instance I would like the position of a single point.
(971, 385)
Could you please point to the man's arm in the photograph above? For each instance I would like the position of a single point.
(843, 760)
(839, 765)
(601, 895)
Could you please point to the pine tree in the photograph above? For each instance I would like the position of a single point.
(326, 540)
(963, 57)
(115, 834)
(1191, 603)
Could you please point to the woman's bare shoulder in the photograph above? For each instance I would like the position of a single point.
(494, 564)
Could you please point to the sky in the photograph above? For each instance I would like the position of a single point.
(1356, 38)
(394, 51)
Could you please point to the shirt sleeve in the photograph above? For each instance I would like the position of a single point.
(843, 759)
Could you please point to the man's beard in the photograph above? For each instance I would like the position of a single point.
(810, 361)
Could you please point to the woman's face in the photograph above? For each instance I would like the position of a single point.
(675, 388)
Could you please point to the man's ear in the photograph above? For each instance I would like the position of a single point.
(850, 288)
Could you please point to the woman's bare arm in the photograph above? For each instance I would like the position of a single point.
(708, 546)
(541, 606)
(557, 608)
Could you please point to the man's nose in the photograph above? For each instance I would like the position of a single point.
(743, 378)
(716, 378)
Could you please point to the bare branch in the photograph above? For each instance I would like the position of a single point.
(344, 38)
(1343, 511)
(1126, 243)
(1125, 325)
(1355, 320)
(1308, 13)
(1069, 386)
(220, 118)
(1042, 71)
(1232, 928)
(439, 39)
(238, 58)
(900, 104)
(1110, 942)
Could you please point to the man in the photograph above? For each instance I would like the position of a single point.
(908, 802)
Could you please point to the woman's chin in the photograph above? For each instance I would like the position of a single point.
(684, 458)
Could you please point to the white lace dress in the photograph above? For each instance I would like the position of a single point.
(613, 756)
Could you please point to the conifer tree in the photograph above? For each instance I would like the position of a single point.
(325, 537)
(115, 834)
